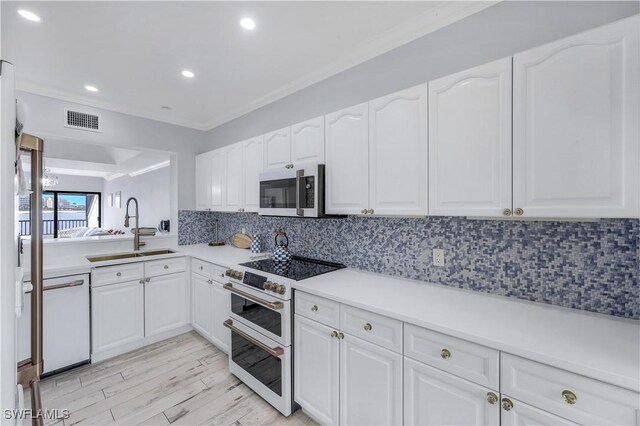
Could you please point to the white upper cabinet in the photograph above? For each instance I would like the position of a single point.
(203, 181)
(470, 142)
(398, 153)
(277, 149)
(347, 156)
(575, 125)
(253, 166)
(218, 179)
(234, 162)
(307, 142)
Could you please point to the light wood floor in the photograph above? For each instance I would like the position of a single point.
(183, 380)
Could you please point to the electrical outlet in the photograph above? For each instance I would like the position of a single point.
(438, 257)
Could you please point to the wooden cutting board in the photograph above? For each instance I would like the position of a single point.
(242, 241)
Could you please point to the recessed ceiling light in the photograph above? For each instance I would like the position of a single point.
(188, 74)
(29, 15)
(166, 107)
(91, 88)
(248, 24)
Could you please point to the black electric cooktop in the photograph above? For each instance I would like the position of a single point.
(299, 268)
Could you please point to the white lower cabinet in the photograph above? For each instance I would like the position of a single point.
(317, 372)
(210, 304)
(370, 384)
(433, 397)
(165, 303)
(117, 315)
(521, 414)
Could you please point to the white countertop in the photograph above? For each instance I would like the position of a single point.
(599, 346)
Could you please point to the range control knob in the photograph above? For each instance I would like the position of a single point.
(280, 289)
(237, 275)
(268, 285)
(229, 272)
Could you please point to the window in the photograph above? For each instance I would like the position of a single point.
(63, 211)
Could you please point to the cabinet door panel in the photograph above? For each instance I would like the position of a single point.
(316, 378)
(575, 147)
(398, 153)
(203, 181)
(525, 415)
(235, 172)
(253, 166)
(201, 312)
(117, 315)
(220, 334)
(370, 384)
(433, 397)
(347, 154)
(470, 142)
(277, 149)
(165, 303)
(218, 179)
(307, 142)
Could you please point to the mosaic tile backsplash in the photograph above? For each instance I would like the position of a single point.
(592, 266)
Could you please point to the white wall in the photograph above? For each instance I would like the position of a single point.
(152, 192)
(78, 183)
(496, 32)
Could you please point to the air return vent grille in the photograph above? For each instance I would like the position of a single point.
(82, 120)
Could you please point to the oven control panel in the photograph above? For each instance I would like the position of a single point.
(262, 283)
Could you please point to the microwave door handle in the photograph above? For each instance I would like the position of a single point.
(299, 176)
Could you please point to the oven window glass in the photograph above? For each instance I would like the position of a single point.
(278, 194)
(263, 317)
(255, 361)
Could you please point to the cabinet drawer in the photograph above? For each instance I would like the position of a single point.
(545, 387)
(470, 361)
(217, 274)
(163, 267)
(117, 274)
(201, 268)
(374, 328)
(317, 308)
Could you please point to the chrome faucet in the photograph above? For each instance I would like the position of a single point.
(136, 231)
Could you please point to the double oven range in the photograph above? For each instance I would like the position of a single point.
(261, 323)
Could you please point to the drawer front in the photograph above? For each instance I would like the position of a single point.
(470, 361)
(545, 387)
(217, 273)
(319, 309)
(201, 268)
(117, 274)
(374, 328)
(164, 267)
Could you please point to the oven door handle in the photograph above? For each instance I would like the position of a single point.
(271, 305)
(299, 176)
(271, 351)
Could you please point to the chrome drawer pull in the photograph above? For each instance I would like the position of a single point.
(119, 274)
(265, 303)
(368, 327)
(492, 398)
(271, 351)
(445, 354)
(314, 308)
(507, 405)
(65, 285)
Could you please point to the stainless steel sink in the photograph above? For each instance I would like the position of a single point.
(131, 255)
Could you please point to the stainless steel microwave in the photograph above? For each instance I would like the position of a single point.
(293, 192)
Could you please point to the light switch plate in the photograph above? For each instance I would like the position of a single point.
(438, 257)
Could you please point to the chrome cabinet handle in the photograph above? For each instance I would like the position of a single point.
(166, 266)
(341, 335)
(65, 285)
(507, 405)
(364, 211)
(445, 354)
(368, 327)
(201, 267)
(209, 281)
(142, 281)
(271, 351)
(518, 211)
(506, 212)
(370, 211)
(569, 397)
(334, 334)
(147, 279)
(265, 303)
(314, 308)
(492, 398)
(118, 274)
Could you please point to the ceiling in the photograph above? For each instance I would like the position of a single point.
(134, 52)
(73, 158)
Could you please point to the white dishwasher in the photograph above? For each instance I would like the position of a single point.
(66, 327)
